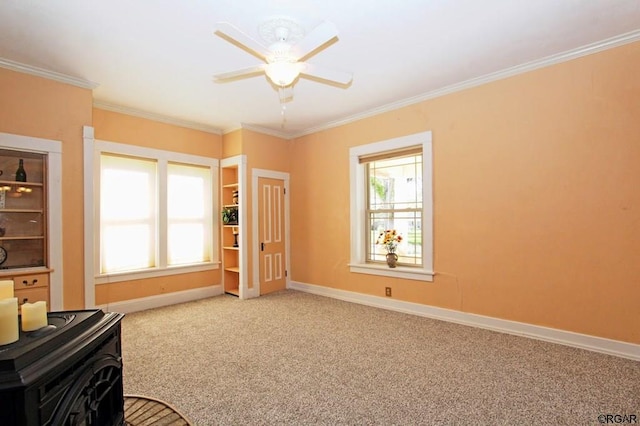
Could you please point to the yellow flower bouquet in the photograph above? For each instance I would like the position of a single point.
(389, 239)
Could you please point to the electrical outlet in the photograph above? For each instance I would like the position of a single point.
(387, 291)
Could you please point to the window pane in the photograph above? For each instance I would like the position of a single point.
(185, 194)
(408, 226)
(126, 248)
(186, 243)
(188, 214)
(125, 195)
(396, 183)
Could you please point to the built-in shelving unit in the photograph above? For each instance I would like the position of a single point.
(233, 226)
(23, 225)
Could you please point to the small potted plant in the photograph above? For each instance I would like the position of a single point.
(230, 215)
(390, 240)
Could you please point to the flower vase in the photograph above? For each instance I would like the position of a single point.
(392, 259)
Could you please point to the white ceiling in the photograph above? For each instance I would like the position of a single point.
(158, 56)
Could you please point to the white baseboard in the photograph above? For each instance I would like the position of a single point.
(144, 303)
(568, 338)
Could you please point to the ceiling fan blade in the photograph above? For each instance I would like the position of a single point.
(325, 75)
(239, 74)
(318, 39)
(235, 36)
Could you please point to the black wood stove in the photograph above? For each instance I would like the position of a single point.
(68, 373)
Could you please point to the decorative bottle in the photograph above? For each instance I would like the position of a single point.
(21, 175)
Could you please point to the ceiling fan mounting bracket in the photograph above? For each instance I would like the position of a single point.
(280, 30)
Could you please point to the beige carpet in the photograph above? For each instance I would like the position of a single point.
(296, 358)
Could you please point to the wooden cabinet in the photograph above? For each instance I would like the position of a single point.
(31, 288)
(23, 224)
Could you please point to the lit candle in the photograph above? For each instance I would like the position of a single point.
(9, 331)
(34, 316)
(6, 289)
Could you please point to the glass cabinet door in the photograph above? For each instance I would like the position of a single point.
(22, 210)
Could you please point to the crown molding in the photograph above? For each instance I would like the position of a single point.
(265, 131)
(156, 117)
(257, 129)
(51, 75)
(589, 49)
(231, 129)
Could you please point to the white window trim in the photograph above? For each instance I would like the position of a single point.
(358, 262)
(92, 150)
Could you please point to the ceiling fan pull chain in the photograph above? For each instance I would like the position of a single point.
(284, 117)
(283, 106)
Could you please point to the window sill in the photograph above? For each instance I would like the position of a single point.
(151, 273)
(398, 272)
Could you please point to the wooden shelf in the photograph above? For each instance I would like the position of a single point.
(233, 269)
(234, 291)
(227, 248)
(16, 183)
(21, 211)
(17, 272)
(34, 237)
(231, 185)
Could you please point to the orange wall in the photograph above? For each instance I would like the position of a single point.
(536, 198)
(116, 127)
(34, 106)
(263, 152)
(232, 144)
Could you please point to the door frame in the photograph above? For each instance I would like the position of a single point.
(255, 255)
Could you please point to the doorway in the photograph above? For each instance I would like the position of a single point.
(271, 224)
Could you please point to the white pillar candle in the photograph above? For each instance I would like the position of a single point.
(34, 316)
(9, 331)
(6, 289)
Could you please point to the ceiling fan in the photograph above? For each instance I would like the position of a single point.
(284, 52)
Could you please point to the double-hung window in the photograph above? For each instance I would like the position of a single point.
(154, 212)
(394, 203)
(391, 192)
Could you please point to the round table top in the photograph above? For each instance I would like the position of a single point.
(144, 410)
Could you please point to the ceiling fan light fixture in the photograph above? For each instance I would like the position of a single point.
(283, 73)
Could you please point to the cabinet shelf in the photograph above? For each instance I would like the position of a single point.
(16, 183)
(25, 237)
(232, 269)
(227, 248)
(230, 185)
(21, 211)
